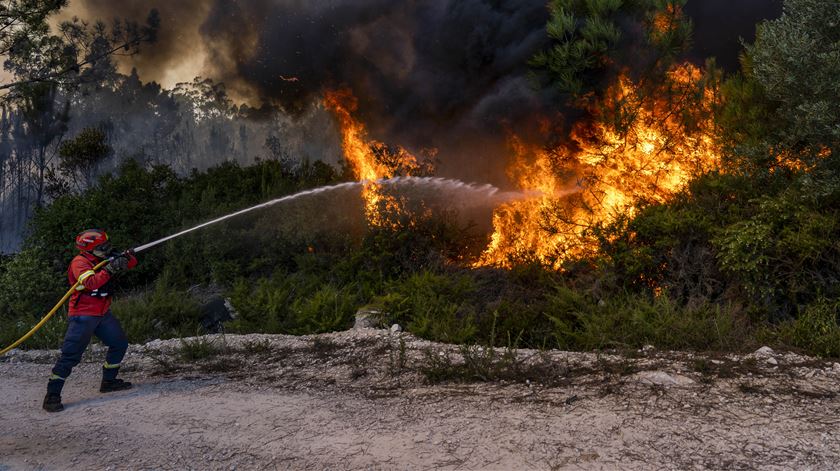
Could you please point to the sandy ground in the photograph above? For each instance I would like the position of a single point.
(369, 399)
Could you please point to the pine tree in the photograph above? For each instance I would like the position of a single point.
(593, 40)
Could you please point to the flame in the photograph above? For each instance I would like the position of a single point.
(650, 151)
(354, 141)
(370, 160)
(667, 20)
(792, 161)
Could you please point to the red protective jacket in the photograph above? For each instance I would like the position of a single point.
(92, 296)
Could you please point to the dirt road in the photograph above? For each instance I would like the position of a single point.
(366, 400)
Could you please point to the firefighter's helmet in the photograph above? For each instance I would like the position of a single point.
(91, 239)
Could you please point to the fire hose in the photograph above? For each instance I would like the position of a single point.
(164, 239)
(152, 244)
(397, 180)
(53, 310)
(96, 268)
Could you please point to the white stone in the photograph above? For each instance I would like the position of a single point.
(764, 351)
(366, 319)
(661, 378)
(396, 328)
(772, 361)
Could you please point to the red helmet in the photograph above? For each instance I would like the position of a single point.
(91, 239)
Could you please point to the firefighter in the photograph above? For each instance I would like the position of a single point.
(90, 314)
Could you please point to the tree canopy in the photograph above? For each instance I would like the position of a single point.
(796, 60)
(593, 40)
(77, 51)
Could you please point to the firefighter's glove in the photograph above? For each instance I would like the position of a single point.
(117, 265)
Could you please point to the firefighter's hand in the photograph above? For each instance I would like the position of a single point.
(117, 265)
(131, 258)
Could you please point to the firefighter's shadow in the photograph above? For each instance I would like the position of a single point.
(140, 390)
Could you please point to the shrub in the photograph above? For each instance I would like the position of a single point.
(300, 303)
(566, 311)
(49, 336)
(785, 254)
(261, 308)
(30, 288)
(433, 306)
(632, 321)
(162, 312)
(199, 348)
(816, 330)
(328, 309)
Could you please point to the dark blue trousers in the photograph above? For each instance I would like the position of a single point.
(80, 329)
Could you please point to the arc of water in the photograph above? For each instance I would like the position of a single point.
(488, 189)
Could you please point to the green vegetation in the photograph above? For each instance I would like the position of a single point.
(200, 348)
(589, 44)
(743, 257)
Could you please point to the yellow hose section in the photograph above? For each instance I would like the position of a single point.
(50, 314)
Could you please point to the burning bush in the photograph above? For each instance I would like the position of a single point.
(642, 146)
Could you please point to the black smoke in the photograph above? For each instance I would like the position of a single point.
(175, 41)
(445, 74)
(427, 73)
(720, 25)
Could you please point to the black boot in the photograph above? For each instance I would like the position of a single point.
(52, 403)
(111, 385)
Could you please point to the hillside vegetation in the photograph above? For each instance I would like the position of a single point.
(747, 254)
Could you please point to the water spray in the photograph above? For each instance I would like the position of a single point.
(487, 190)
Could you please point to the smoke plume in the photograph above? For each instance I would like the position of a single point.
(445, 74)
(719, 26)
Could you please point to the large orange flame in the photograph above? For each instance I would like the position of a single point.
(354, 140)
(370, 160)
(650, 150)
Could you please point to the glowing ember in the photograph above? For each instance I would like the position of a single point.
(651, 152)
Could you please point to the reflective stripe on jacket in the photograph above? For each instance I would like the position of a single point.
(92, 297)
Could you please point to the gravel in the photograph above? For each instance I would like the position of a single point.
(368, 399)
